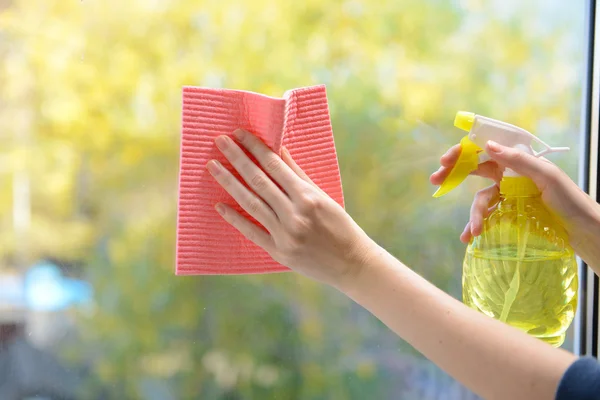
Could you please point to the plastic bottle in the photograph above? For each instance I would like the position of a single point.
(521, 270)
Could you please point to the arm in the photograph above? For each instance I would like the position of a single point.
(585, 236)
(307, 231)
(491, 358)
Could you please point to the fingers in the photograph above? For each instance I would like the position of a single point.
(252, 232)
(465, 236)
(541, 171)
(447, 162)
(489, 169)
(256, 179)
(251, 203)
(484, 202)
(287, 158)
(484, 199)
(271, 162)
(438, 177)
(451, 156)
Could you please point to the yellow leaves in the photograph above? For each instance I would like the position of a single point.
(131, 155)
(313, 373)
(366, 369)
(317, 47)
(229, 371)
(311, 328)
(124, 68)
(152, 6)
(17, 77)
(102, 72)
(271, 89)
(63, 108)
(472, 5)
(72, 239)
(421, 100)
(266, 376)
(167, 363)
(105, 370)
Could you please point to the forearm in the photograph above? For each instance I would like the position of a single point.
(585, 236)
(491, 358)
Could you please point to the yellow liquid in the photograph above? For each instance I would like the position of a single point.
(535, 291)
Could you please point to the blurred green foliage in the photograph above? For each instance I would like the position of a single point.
(90, 109)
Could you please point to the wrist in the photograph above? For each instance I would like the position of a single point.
(363, 268)
(584, 233)
(357, 259)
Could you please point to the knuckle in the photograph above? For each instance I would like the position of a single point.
(515, 155)
(273, 165)
(225, 179)
(310, 201)
(254, 206)
(297, 224)
(475, 210)
(298, 233)
(250, 235)
(482, 196)
(258, 182)
(480, 193)
(299, 229)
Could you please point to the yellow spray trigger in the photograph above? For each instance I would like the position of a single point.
(467, 163)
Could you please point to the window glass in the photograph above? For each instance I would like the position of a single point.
(90, 106)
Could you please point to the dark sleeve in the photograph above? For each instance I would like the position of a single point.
(581, 381)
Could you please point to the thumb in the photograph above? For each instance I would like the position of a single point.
(540, 170)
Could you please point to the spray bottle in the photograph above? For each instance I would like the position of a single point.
(521, 270)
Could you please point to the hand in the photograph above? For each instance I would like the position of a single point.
(561, 195)
(304, 229)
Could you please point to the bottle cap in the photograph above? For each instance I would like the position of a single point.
(515, 186)
(464, 120)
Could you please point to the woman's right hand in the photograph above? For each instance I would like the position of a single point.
(579, 214)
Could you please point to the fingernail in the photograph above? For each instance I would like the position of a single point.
(222, 142)
(493, 146)
(239, 134)
(285, 151)
(220, 208)
(214, 167)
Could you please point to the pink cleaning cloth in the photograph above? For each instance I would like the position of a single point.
(206, 244)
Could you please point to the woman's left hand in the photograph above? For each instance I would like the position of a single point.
(304, 229)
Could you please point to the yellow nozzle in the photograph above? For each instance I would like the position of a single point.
(467, 162)
(464, 120)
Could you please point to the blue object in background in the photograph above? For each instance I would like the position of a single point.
(46, 289)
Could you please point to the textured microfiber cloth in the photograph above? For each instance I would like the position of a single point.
(206, 244)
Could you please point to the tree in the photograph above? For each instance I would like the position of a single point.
(91, 95)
